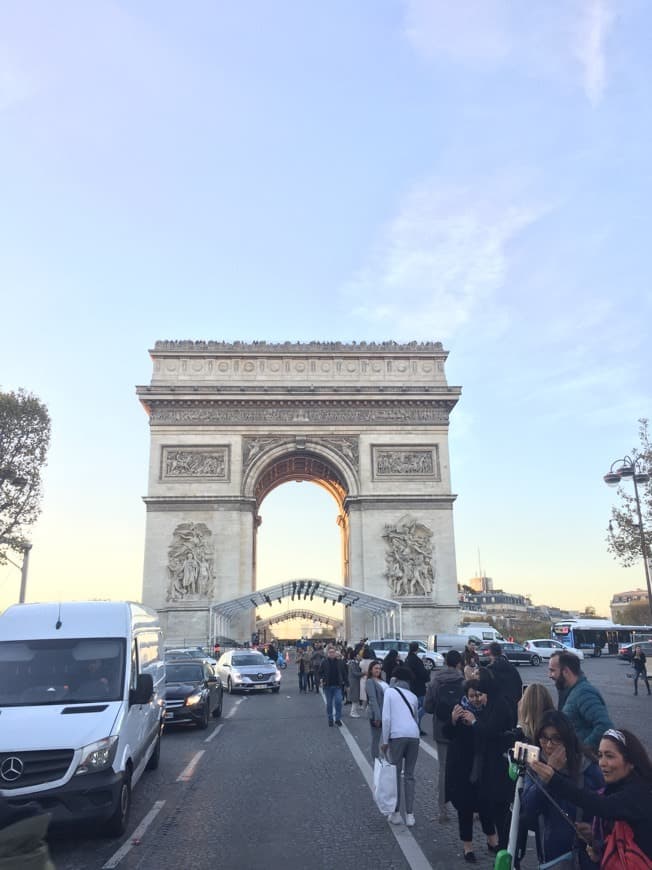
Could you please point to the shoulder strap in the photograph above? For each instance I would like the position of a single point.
(406, 702)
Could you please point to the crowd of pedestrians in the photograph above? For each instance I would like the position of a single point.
(598, 778)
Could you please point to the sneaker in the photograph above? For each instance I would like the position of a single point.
(410, 821)
(354, 713)
(338, 722)
(395, 818)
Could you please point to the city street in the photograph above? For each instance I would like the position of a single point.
(270, 784)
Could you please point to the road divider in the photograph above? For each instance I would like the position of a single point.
(214, 734)
(187, 772)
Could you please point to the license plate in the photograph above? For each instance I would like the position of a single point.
(261, 687)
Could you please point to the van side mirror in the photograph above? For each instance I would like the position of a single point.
(144, 690)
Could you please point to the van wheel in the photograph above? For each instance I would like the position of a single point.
(155, 757)
(117, 824)
(229, 687)
(535, 660)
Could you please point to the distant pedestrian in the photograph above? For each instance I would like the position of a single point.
(506, 675)
(303, 667)
(366, 658)
(390, 663)
(316, 660)
(401, 739)
(443, 693)
(582, 702)
(640, 669)
(334, 677)
(420, 679)
(375, 689)
(353, 665)
(470, 660)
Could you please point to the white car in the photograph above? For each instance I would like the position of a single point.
(429, 658)
(545, 647)
(247, 670)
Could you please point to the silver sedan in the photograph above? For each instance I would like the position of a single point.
(244, 670)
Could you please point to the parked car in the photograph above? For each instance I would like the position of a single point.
(513, 652)
(626, 651)
(429, 658)
(545, 647)
(243, 670)
(193, 692)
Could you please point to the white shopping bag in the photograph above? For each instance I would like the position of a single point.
(385, 785)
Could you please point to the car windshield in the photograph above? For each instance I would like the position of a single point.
(249, 659)
(70, 671)
(183, 673)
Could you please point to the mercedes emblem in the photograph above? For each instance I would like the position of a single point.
(11, 768)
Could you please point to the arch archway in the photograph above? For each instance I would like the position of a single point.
(231, 422)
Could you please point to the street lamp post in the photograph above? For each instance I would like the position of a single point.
(23, 573)
(633, 468)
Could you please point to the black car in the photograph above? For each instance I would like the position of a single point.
(513, 652)
(626, 651)
(193, 692)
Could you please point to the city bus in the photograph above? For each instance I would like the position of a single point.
(596, 634)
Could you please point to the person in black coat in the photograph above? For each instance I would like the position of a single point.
(627, 798)
(640, 669)
(390, 663)
(507, 676)
(477, 778)
(419, 681)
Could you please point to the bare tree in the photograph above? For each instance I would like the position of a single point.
(624, 537)
(24, 442)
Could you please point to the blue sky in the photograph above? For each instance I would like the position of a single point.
(474, 172)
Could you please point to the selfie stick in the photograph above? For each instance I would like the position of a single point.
(505, 858)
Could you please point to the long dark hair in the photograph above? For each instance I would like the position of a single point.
(633, 751)
(574, 749)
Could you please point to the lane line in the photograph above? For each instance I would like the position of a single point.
(135, 838)
(214, 734)
(188, 771)
(411, 850)
(234, 708)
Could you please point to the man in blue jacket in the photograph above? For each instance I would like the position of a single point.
(580, 700)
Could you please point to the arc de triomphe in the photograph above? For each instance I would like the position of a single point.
(231, 421)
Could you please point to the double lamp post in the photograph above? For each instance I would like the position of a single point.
(629, 468)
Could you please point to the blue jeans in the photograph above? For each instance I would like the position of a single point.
(333, 702)
(303, 681)
(420, 709)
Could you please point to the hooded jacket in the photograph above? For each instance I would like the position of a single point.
(443, 678)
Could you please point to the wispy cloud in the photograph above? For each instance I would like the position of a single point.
(597, 19)
(442, 258)
(548, 40)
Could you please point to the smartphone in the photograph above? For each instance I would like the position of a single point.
(525, 752)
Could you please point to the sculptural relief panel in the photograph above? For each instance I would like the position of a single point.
(191, 563)
(409, 558)
(408, 462)
(203, 462)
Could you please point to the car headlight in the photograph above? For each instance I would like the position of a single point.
(277, 676)
(236, 675)
(191, 700)
(98, 756)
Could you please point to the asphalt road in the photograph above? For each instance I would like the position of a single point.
(275, 787)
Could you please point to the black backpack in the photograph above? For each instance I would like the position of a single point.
(448, 695)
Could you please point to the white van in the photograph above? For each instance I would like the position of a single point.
(480, 632)
(82, 686)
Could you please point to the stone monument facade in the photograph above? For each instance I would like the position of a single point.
(231, 421)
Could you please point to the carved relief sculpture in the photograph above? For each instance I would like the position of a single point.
(195, 462)
(409, 557)
(190, 563)
(406, 462)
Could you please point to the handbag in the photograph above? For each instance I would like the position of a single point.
(385, 793)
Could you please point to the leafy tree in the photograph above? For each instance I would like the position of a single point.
(24, 442)
(624, 538)
(636, 613)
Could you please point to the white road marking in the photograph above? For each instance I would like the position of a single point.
(407, 844)
(188, 771)
(135, 838)
(429, 749)
(234, 708)
(214, 734)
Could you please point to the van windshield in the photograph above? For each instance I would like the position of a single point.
(61, 671)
